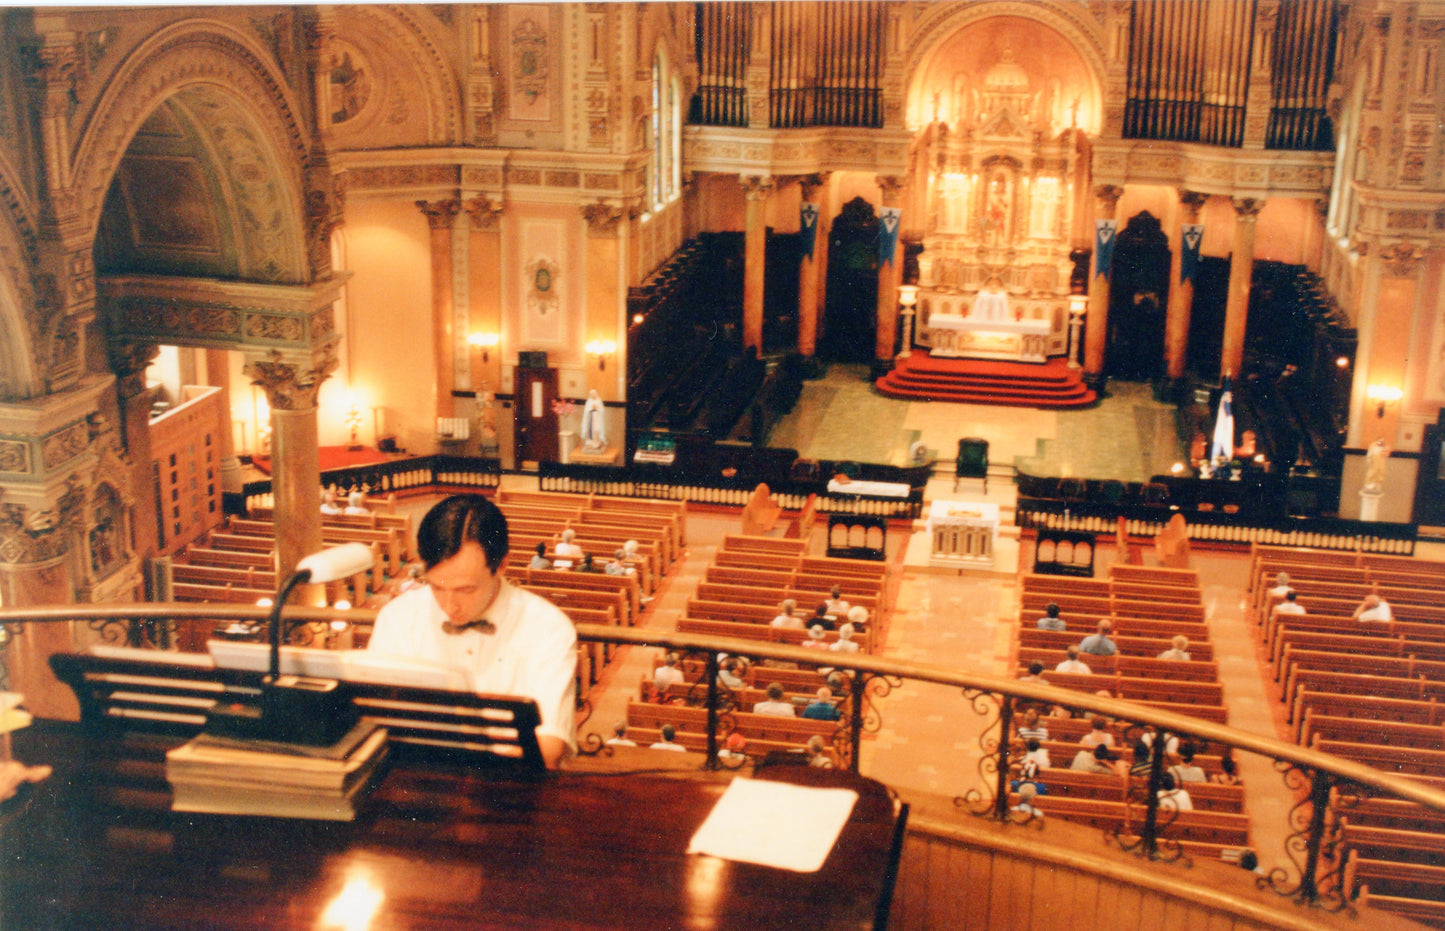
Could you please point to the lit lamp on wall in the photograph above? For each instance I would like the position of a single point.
(1382, 396)
(907, 299)
(1078, 306)
(601, 348)
(486, 342)
(353, 423)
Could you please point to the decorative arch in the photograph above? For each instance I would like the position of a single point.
(385, 63)
(20, 375)
(230, 70)
(940, 22)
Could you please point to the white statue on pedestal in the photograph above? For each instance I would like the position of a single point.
(594, 431)
(1377, 459)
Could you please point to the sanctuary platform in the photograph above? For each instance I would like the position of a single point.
(922, 376)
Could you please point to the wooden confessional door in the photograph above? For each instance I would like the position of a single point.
(536, 422)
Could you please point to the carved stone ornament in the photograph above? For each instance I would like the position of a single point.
(1108, 195)
(30, 535)
(756, 187)
(543, 276)
(484, 212)
(602, 217)
(439, 213)
(1401, 259)
(289, 386)
(1247, 207)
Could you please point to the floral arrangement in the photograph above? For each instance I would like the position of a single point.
(562, 407)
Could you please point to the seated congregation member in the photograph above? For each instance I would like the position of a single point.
(1099, 644)
(1179, 649)
(508, 640)
(356, 503)
(1029, 727)
(330, 504)
(1373, 608)
(1281, 586)
(1072, 663)
(539, 558)
(1186, 770)
(1035, 674)
(820, 617)
(729, 673)
(785, 617)
(844, 643)
(1051, 619)
(775, 703)
(619, 736)
(818, 753)
(1290, 604)
(822, 707)
(618, 565)
(815, 638)
(733, 747)
(1143, 758)
(566, 549)
(857, 616)
(667, 742)
(835, 604)
(1098, 734)
(666, 675)
(1172, 796)
(1036, 757)
(1099, 760)
(1228, 774)
(1027, 793)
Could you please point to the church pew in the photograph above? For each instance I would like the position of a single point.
(763, 632)
(644, 564)
(1141, 667)
(1364, 640)
(1149, 592)
(1085, 624)
(559, 517)
(1215, 828)
(545, 583)
(831, 567)
(614, 523)
(1113, 607)
(374, 520)
(807, 599)
(1206, 796)
(224, 593)
(1159, 575)
(696, 742)
(1363, 730)
(1403, 761)
(730, 611)
(1428, 907)
(728, 575)
(772, 546)
(792, 731)
(1064, 585)
(625, 585)
(248, 577)
(802, 681)
(388, 542)
(1177, 691)
(1362, 684)
(1386, 813)
(239, 559)
(1128, 644)
(1333, 704)
(676, 511)
(1062, 752)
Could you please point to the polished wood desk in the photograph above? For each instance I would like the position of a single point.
(436, 847)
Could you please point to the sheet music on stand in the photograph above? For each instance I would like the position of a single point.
(775, 824)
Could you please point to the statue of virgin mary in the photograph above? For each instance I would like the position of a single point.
(593, 431)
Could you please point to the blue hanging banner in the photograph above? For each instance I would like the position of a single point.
(888, 222)
(1189, 253)
(1104, 246)
(807, 228)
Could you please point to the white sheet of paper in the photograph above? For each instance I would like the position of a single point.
(774, 824)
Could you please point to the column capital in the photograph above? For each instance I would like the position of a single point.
(485, 212)
(892, 188)
(602, 218)
(291, 383)
(811, 183)
(1247, 208)
(1192, 202)
(439, 213)
(1108, 196)
(1401, 259)
(756, 187)
(129, 360)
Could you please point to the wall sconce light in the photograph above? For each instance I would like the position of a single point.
(1342, 362)
(1078, 306)
(601, 348)
(485, 342)
(1383, 395)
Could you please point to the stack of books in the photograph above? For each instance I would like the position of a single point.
(235, 776)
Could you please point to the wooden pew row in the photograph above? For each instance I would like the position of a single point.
(1183, 578)
(1114, 607)
(1397, 666)
(1361, 873)
(746, 697)
(761, 616)
(1423, 624)
(1365, 686)
(596, 654)
(1064, 585)
(1210, 830)
(1181, 692)
(1051, 588)
(1130, 667)
(790, 731)
(580, 597)
(625, 586)
(524, 535)
(1085, 624)
(1206, 796)
(801, 681)
(1364, 730)
(764, 632)
(376, 520)
(1386, 813)
(1332, 704)
(1365, 640)
(756, 747)
(611, 525)
(1062, 752)
(771, 546)
(672, 514)
(524, 546)
(807, 599)
(388, 542)
(1129, 645)
(817, 572)
(1403, 761)
(674, 511)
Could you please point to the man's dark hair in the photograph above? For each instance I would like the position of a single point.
(1101, 752)
(458, 520)
(1035, 668)
(1051, 609)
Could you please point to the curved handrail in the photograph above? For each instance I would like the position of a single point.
(1302, 757)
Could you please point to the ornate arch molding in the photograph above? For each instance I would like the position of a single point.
(20, 313)
(414, 34)
(1073, 21)
(190, 53)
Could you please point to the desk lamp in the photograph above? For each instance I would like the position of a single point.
(297, 709)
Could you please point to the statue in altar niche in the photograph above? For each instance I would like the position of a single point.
(995, 213)
(1377, 460)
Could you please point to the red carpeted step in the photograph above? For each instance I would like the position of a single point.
(982, 381)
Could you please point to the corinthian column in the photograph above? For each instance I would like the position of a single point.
(1181, 294)
(441, 217)
(1096, 332)
(1241, 272)
(291, 386)
(756, 190)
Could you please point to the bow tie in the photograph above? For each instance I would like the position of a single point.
(481, 625)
